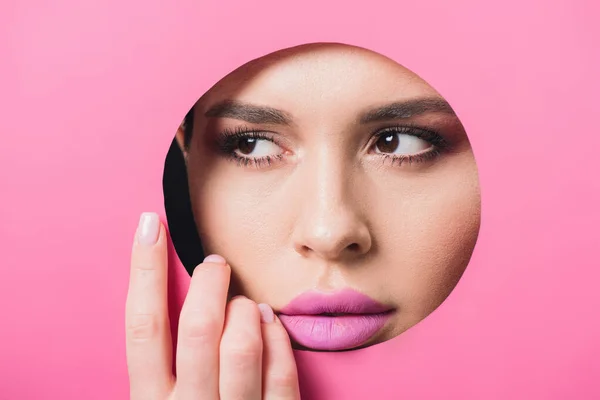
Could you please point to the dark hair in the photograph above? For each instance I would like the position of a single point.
(188, 127)
(178, 206)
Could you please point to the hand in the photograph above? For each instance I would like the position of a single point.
(224, 351)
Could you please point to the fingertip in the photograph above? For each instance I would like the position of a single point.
(267, 315)
(211, 266)
(243, 301)
(149, 227)
(215, 258)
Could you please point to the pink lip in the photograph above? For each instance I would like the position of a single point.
(360, 317)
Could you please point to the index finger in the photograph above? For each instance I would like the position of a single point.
(148, 336)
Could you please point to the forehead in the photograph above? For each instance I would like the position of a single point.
(319, 74)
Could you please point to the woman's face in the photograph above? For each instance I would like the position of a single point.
(329, 171)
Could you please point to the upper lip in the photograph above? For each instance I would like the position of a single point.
(346, 301)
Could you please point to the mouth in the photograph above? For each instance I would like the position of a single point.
(336, 321)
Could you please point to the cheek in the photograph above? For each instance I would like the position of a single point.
(235, 217)
(430, 237)
(243, 226)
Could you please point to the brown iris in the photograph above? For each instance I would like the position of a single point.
(388, 143)
(246, 145)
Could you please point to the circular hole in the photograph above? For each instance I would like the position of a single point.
(340, 186)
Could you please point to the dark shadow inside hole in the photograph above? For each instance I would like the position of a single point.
(178, 208)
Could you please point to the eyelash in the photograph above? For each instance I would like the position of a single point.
(227, 143)
(437, 142)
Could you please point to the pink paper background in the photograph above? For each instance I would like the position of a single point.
(92, 92)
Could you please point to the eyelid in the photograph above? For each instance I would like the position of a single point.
(227, 142)
(228, 135)
(437, 143)
(429, 135)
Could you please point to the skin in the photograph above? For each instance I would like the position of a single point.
(223, 350)
(334, 213)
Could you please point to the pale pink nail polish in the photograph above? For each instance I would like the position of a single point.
(148, 228)
(266, 313)
(215, 258)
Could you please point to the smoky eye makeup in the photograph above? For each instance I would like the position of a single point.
(394, 145)
(407, 143)
(248, 147)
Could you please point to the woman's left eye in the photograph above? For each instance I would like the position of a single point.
(257, 147)
(401, 144)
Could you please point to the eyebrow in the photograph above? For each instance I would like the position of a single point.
(267, 115)
(248, 112)
(406, 109)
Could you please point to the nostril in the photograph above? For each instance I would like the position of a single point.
(304, 250)
(354, 247)
(330, 250)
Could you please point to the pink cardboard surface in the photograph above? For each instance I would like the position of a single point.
(94, 91)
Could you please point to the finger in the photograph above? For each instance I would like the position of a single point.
(241, 352)
(280, 375)
(200, 328)
(148, 336)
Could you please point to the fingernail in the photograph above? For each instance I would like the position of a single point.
(215, 258)
(266, 313)
(148, 228)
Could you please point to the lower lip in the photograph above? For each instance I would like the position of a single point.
(344, 332)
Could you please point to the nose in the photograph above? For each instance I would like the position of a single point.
(333, 226)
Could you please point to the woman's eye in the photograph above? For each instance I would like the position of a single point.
(400, 144)
(256, 147)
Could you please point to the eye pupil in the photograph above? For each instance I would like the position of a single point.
(388, 143)
(246, 145)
